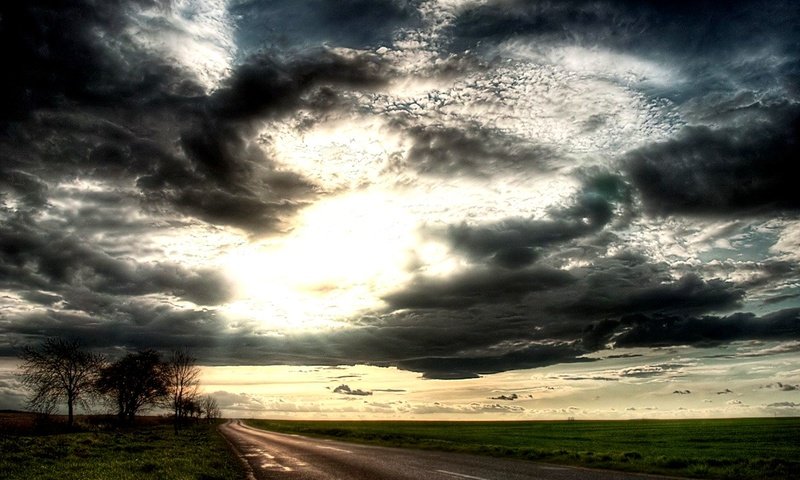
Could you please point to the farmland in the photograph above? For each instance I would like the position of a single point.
(149, 450)
(724, 448)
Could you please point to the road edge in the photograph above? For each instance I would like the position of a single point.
(249, 474)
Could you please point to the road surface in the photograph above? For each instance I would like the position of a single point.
(275, 456)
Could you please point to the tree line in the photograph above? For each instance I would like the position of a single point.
(61, 370)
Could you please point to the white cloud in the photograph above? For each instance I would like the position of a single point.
(197, 34)
(623, 68)
(786, 247)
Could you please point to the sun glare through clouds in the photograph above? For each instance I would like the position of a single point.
(343, 255)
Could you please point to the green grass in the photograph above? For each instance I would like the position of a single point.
(728, 448)
(154, 452)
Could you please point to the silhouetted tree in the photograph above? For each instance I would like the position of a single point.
(210, 408)
(182, 378)
(191, 410)
(133, 383)
(58, 370)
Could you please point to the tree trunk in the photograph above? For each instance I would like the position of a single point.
(176, 418)
(120, 412)
(70, 417)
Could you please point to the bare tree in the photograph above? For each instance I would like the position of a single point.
(133, 383)
(192, 410)
(210, 408)
(182, 379)
(58, 370)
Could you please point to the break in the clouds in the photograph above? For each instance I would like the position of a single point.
(455, 188)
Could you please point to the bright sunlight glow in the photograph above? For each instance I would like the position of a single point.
(344, 254)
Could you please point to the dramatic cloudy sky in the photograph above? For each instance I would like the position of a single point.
(412, 208)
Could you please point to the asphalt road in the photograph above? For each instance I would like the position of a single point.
(276, 456)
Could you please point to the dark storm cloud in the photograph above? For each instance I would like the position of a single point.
(552, 21)
(597, 334)
(688, 294)
(477, 287)
(494, 319)
(308, 23)
(784, 405)
(458, 347)
(466, 366)
(41, 298)
(784, 387)
(27, 189)
(509, 398)
(633, 25)
(475, 150)
(238, 183)
(32, 259)
(107, 324)
(722, 172)
(769, 272)
(446, 351)
(59, 57)
(516, 243)
(430, 335)
(231, 180)
(625, 283)
(241, 208)
(85, 106)
(264, 85)
(641, 330)
(346, 390)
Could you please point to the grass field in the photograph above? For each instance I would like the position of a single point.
(146, 452)
(764, 448)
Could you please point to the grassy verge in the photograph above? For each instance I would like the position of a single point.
(152, 452)
(728, 448)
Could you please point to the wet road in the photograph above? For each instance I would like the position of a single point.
(276, 456)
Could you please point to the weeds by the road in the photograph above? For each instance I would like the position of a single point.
(730, 448)
(152, 452)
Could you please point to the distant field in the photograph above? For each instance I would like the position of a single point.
(729, 448)
(145, 452)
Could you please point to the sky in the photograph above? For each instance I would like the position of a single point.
(429, 209)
